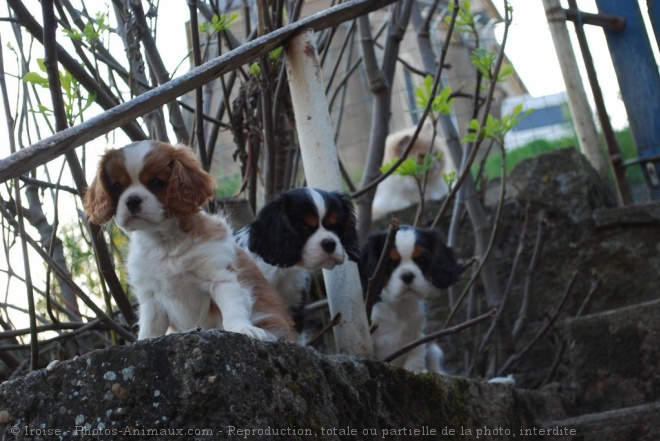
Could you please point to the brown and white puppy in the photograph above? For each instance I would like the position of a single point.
(397, 192)
(418, 266)
(183, 264)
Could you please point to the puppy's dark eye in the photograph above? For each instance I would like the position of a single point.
(310, 222)
(116, 187)
(156, 184)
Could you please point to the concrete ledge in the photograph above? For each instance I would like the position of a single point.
(226, 383)
(615, 357)
(634, 423)
(632, 216)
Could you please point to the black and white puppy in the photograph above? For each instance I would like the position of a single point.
(301, 230)
(419, 264)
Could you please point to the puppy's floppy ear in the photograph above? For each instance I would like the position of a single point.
(349, 237)
(370, 256)
(401, 146)
(444, 266)
(99, 205)
(273, 237)
(190, 186)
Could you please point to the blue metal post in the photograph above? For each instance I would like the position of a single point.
(654, 15)
(639, 81)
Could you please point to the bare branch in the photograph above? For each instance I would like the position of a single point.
(20, 226)
(438, 334)
(60, 272)
(521, 321)
(376, 278)
(103, 99)
(199, 91)
(515, 358)
(45, 150)
(334, 322)
(507, 290)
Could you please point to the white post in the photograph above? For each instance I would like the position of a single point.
(577, 97)
(319, 157)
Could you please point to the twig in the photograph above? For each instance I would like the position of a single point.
(491, 242)
(158, 68)
(334, 322)
(515, 358)
(507, 289)
(103, 99)
(595, 283)
(486, 112)
(199, 91)
(60, 272)
(48, 148)
(50, 185)
(438, 334)
(206, 117)
(555, 363)
(49, 327)
(376, 278)
(76, 331)
(521, 321)
(34, 343)
(316, 306)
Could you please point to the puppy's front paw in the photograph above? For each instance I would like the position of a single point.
(256, 333)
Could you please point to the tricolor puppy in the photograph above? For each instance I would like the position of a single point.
(183, 264)
(301, 230)
(397, 192)
(418, 265)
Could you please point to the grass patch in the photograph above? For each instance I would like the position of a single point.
(492, 167)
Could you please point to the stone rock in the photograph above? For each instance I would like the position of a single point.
(180, 386)
(615, 357)
(564, 182)
(644, 215)
(632, 423)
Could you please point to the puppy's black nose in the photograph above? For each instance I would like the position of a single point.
(133, 204)
(407, 278)
(328, 245)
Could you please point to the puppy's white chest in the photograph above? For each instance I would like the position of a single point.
(162, 271)
(399, 323)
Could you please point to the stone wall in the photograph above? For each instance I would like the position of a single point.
(179, 385)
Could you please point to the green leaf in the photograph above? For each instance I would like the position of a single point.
(423, 92)
(505, 71)
(465, 21)
(442, 103)
(65, 81)
(221, 23)
(255, 69)
(73, 34)
(275, 54)
(474, 127)
(35, 78)
(483, 61)
(449, 178)
(90, 100)
(407, 167)
(41, 109)
(42, 65)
